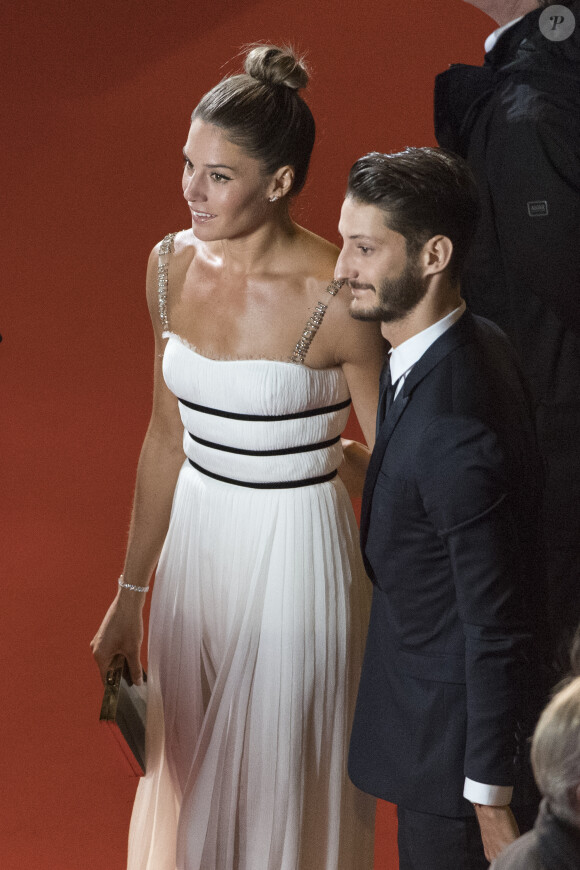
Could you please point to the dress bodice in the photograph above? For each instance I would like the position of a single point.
(258, 421)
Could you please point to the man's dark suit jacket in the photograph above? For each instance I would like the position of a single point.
(449, 536)
(516, 120)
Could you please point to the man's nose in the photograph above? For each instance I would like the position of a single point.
(344, 270)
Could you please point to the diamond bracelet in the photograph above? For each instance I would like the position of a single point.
(131, 587)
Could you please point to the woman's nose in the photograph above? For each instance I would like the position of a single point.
(194, 189)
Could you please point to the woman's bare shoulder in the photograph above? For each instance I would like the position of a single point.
(318, 255)
(185, 243)
(342, 339)
(351, 339)
(179, 248)
(176, 244)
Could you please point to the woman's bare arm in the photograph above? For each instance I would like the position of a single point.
(161, 458)
(362, 349)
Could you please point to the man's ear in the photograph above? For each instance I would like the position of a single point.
(436, 255)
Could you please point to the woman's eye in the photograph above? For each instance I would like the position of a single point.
(187, 163)
(217, 176)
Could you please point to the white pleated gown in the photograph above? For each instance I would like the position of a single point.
(257, 630)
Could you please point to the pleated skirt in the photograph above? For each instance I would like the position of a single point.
(257, 630)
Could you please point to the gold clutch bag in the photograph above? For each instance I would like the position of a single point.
(123, 709)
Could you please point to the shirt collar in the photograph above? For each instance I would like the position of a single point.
(405, 355)
(492, 39)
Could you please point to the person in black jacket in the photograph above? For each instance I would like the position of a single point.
(517, 122)
(554, 843)
(449, 526)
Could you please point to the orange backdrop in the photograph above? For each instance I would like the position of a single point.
(96, 100)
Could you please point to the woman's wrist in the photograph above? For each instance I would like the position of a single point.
(131, 586)
(129, 599)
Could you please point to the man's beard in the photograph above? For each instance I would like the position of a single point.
(396, 297)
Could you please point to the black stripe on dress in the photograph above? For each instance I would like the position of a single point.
(284, 451)
(298, 415)
(283, 484)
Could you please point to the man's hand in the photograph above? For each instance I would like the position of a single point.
(498, 828)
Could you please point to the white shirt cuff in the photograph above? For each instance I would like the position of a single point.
(490, 795)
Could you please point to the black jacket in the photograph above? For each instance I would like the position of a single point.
(449, 536)
(517, 121)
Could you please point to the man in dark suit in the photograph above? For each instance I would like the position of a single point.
(516, 120)
(449, 526)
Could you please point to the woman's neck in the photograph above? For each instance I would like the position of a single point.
(257, 251)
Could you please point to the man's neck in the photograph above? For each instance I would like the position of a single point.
(504, 11)
(431, 309)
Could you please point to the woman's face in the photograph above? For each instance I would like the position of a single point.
(226, 190)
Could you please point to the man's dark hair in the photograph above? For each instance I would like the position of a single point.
(424, 192)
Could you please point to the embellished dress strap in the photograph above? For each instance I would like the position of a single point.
(165, 250)
(313, 325)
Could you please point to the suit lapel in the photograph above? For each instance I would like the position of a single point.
(383, 438)
(462, 331)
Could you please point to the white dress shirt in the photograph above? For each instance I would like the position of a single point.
(405, 355)
(493, 37)
(403, 358)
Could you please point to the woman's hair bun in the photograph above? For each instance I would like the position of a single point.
(276, 66)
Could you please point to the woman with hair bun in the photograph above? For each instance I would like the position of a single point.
(260, 606)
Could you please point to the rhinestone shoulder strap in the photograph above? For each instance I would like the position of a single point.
(313, 325)
(165, 249)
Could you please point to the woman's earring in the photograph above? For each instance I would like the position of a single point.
(273, 198)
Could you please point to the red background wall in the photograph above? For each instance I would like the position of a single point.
(95, 105)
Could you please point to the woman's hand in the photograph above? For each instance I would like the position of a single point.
(354, 466)
(121, 631)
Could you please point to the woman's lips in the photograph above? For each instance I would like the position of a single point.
(200, 217)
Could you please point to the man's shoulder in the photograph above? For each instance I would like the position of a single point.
(487, 335)
(478, 373)
(476, 338)
(467, 353)
(488, 331)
